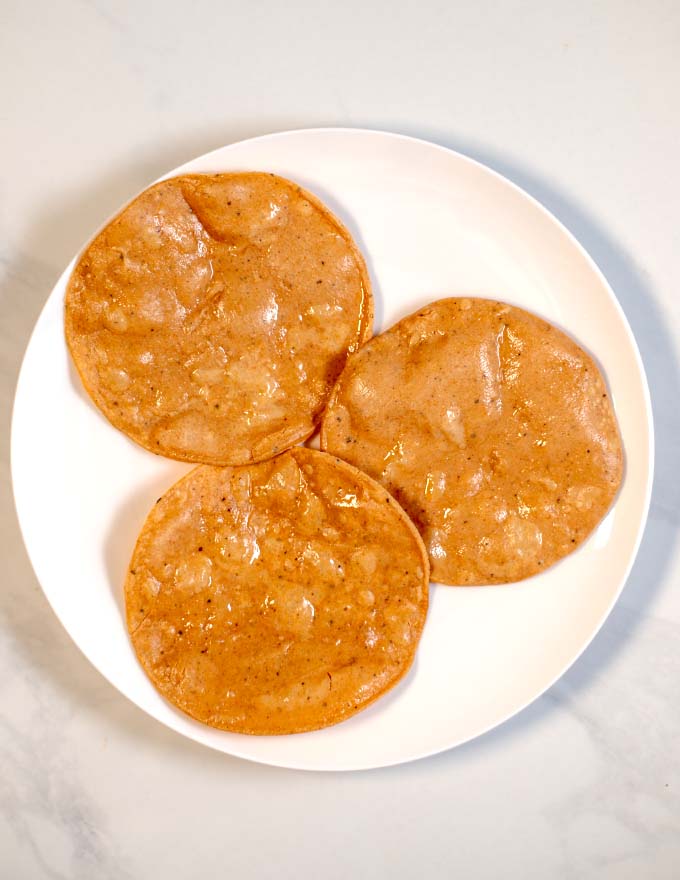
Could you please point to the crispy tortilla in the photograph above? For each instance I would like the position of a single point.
(278, 597)
(211, 317)
(491, 427)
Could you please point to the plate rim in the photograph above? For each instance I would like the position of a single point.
(648, 413)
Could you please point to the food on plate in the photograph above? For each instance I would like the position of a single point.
(492, 428)
(276, 597)
(209, 320)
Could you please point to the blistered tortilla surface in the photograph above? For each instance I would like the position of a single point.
(492, 428)
(209, 320)
(278, 597)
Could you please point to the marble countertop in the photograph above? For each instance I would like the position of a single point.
(575, 102)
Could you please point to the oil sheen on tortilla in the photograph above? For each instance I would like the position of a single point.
(492, 428)
(278, 597)
(211, 317)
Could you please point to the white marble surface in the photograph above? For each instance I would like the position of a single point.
(576, 102)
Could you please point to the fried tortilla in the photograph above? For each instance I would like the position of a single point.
(492, 428)
(209, 320)
(277, 597)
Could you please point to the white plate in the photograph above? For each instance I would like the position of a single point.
(431, 223)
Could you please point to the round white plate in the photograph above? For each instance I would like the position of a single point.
(431, 223)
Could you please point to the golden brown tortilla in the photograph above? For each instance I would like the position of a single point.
(278, 597)
(491, 427)
(211, 317)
